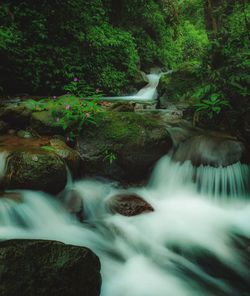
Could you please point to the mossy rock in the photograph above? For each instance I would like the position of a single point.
(33, 267)
(35, 170)
(42, 123)
(123, 146)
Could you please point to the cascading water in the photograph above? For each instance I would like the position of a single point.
(147, 93)
(191, 245)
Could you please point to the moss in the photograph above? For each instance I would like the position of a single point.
(126, 126)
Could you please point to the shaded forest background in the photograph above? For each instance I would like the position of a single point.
(105, 43)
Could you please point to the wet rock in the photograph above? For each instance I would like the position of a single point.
(24, 134)
(3, 127)
(33, 267)
(128, 204)
(69, 155)
(73, 203)
(122, 107)
(210, 149)
(123, 146)
(14, 196)
(15, 115)
(35, 170)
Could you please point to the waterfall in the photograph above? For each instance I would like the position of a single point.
(195, 243)
(147, 93)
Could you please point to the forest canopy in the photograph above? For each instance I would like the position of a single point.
(105, 43)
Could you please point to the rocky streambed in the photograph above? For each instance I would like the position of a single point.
(124, 146)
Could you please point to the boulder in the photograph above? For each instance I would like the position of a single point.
(69, 155)
(3, 127)
(123, 146)
(15, 115)
(35, 170)
(128, 204)
(212, 149)
(42, 123)
(39, 268)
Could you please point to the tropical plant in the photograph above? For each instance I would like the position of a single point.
(212, 106)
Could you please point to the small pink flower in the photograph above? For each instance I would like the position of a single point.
(67, 107)
(76, 79)
(87, 114)
(54, 97)
(97, 90)
(67, 139)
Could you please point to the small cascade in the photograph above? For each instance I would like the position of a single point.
(147, 93)
(194, 243)
(218, 182)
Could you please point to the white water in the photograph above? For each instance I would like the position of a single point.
(155, 254)
(147, 93)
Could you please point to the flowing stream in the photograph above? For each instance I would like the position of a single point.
(195, 243)
(146, 94)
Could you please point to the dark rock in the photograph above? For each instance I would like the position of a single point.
(73, 203)
(210, 149)
(3, 127)
(122, 107)
(39, 268)
(15, 115)
(14, 196)
(24, 134)
(69, 155)
(128, 204)
(36, 170)
(123, 146)
(42, 123)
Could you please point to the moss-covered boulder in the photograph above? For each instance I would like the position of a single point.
(30, 267)
(36, 170)
(123, 146)
(42, 123)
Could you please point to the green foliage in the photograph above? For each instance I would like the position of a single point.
(110, 156)
(212, 106)
(227, 65)
(69, 112)
(44, 43)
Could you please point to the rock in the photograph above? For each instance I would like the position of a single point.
(39, 268)
(69, 155)
(15, 115)
(24, 134)
(213, 149)
(122, 107)
(128, 204)
(123, 146)
(246, 127)
(14, 196)
(36, 170)
(73, 202)
(3, 127)
(42, 123)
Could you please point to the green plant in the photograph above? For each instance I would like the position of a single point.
(212, 106)
(69, 112)
(110, 156)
